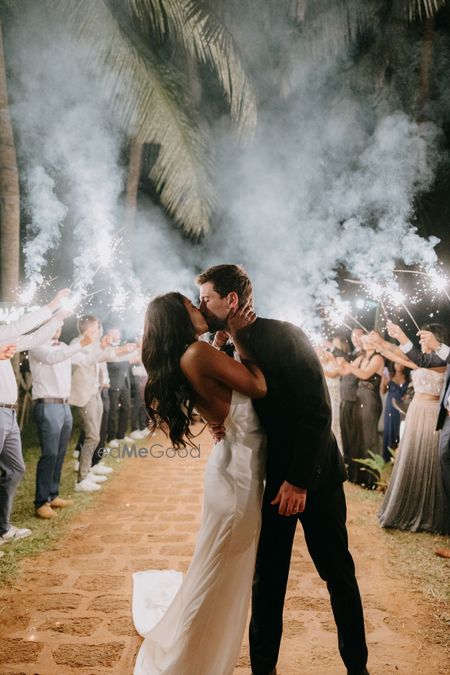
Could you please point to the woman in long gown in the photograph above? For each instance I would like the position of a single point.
(332, 371)
(415, 498)
(395, 385)
(368, 369)
(196, 628)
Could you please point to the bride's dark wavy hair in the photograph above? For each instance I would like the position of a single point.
(168, 331)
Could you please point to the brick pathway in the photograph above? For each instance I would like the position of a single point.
(69, 612)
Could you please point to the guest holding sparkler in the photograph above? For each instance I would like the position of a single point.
(415, 499)
(51, 370)
(18, 335)
(332, 369)
(86, 396)
(119, 394)
(368, 369)
(348, 391)
(394, 383)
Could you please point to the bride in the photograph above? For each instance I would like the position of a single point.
(196, 628)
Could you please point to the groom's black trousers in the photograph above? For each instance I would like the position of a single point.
(325, 532)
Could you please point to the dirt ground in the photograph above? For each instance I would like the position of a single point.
(70, 610)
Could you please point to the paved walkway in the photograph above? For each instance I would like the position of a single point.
(69, 612)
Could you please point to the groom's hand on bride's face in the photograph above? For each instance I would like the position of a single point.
(241, 318)
(291, 499)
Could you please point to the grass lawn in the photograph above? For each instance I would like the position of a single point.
(411, 555)
(45, 532)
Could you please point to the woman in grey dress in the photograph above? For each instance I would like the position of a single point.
(415, 499)
(368, 369)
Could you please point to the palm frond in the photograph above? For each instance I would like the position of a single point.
(204, 35)
(329, 26)
(146, 96)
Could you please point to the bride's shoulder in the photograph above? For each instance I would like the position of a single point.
(196, 349)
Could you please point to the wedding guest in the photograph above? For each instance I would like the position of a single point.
(97, 466)
(85, 395)
(367, 368)
(331, 368)
(415, 499)
(51, 370)
(104, 384)
(349, 385)
(119, 394)
(43, 325)
(139, 416)
(394, 383)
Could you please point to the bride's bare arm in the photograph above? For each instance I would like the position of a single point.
(202, 360)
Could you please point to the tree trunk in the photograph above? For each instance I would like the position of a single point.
(9, 195)
(134, 174)
(426, 63)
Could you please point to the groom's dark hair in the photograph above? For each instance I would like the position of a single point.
(228, 279)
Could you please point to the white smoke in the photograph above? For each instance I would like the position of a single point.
(325, 186)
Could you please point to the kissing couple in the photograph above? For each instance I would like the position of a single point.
(275, 462)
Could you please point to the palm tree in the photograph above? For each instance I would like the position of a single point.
(130, 40)
(9, 194)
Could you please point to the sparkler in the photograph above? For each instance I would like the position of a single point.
(410, 316)
(338, 313)
(437, 279)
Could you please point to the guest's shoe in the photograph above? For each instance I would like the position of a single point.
(60, 503)
(13, 534)
(46, 511)
(76, 465)
(272, 672)
(126, 439)
(364, 671)
(86, 486)
(136, 434)
(96, 478)
(114, 443)
(76, 454)
(443, 552)
(101, 469)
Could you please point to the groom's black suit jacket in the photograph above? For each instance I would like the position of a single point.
(434, 361)
(296, 412)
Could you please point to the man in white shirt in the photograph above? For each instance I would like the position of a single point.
(51, 370)
(86, 396)
(43, 324)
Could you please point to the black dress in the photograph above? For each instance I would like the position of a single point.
(347, 417)
(367, 415)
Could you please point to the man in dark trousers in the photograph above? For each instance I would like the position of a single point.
(119, 393)
(305, 473)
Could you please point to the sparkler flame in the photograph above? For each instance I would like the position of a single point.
(71, 301)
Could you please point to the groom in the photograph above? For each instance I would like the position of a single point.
(304, 477)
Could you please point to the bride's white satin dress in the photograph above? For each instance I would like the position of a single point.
(195, 625)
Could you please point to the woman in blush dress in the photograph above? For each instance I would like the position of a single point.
(415, 498)
(195, 625)
(368, 368)
(332, 369)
